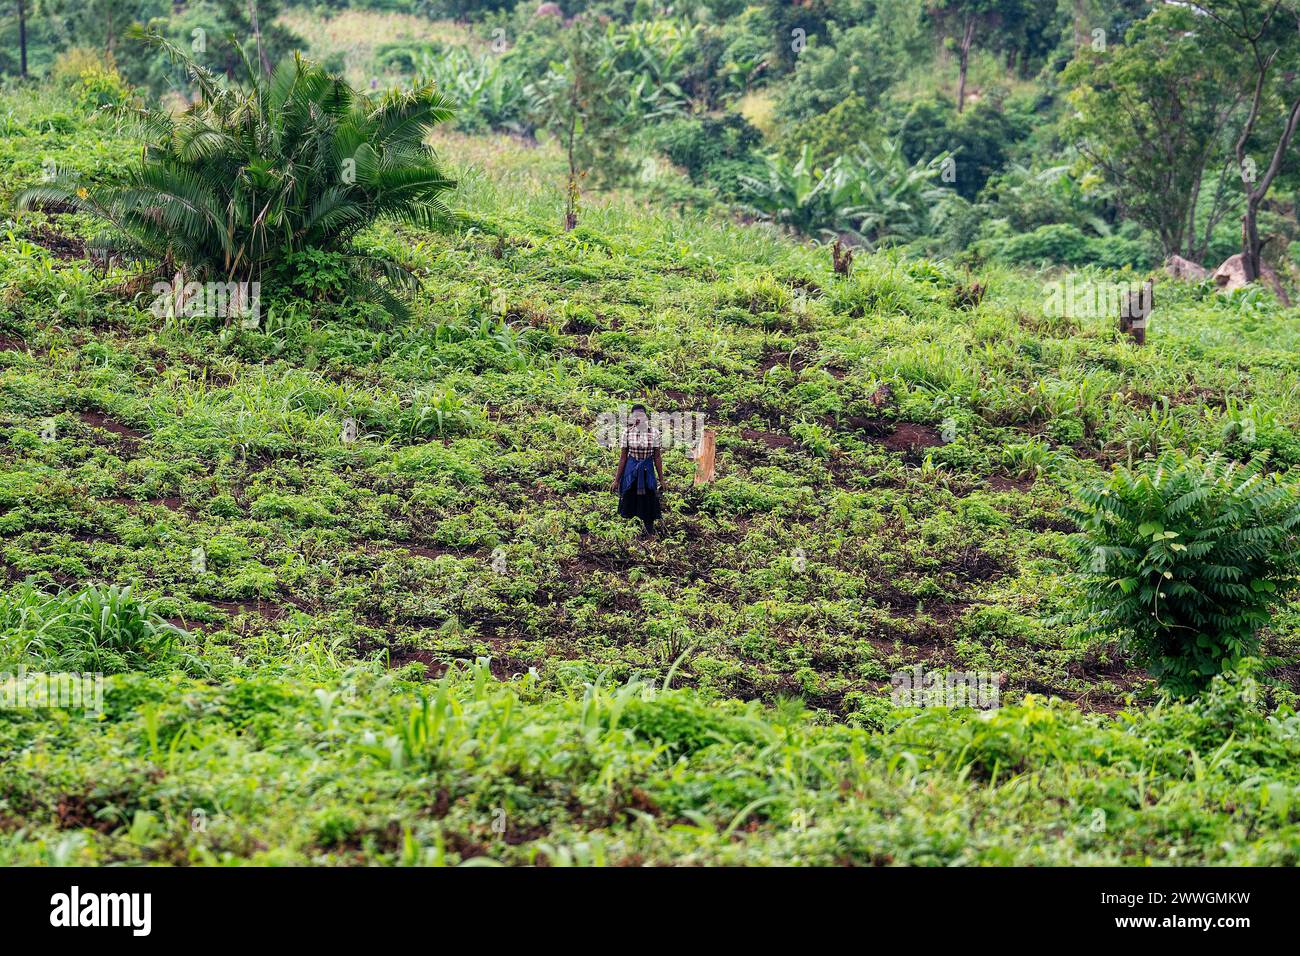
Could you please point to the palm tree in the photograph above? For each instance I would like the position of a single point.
(247, 175)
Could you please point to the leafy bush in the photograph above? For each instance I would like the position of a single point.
(837, 131)
(1185, 558)
(99, 87)
(107, 630)
(700, 145)
(245, 177)
(91, 76)
(489, 91)
(871, 194)
(979, 138)
(863, 60)
(1064, 244)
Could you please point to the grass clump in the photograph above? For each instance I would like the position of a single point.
(107, 630)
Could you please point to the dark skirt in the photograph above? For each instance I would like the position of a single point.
(643, 505)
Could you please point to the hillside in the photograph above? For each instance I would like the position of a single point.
(436, 643)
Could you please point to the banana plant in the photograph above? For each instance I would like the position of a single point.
(872, 195)
(803, 197)
(894, 198)
(489, 91)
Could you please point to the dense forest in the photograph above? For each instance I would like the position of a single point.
(833, 432)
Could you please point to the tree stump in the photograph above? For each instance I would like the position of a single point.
(841, 259)
(704, 458)
(1135, 309)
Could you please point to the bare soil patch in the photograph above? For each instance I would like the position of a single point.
(912, 437)
(1006, 483)
(770, 439)
(130, 437)
(64, 248)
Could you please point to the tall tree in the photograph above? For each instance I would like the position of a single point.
(961, 21)
(583, 102)
(100, 23)
(22, 38)
(1152, 115)
(1263, 38)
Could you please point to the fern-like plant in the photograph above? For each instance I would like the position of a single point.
(252, 173)
(1185, 558)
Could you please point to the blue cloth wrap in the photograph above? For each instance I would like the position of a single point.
(641, 473)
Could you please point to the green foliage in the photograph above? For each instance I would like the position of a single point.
(979, 139)
(872, 194)
(489, 91)
(92, 630)
(861, 60)
(606, 86)
(837, 131)
(1067, 245)
(92, 77)
(1124, 99)
(243, 178)
(894, 450)
(470, 768)
(1185, 558)
(205, 26)
(701, 146)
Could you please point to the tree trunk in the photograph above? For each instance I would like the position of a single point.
(963, 62)
(22, 39)
(257, 34)
(1250, 243)
(571, 193)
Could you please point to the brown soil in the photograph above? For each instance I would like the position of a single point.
(272, 612)
(430, 551)
(401, 656)
(771, 358)
(63, 247)
(1063, 525)
(75, 813)
(129, 436)
(911, 437)
(972, 564)
(1005, 483)
(770, 439)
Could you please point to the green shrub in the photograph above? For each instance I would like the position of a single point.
(833, 133)
(871, 194)
(490, 91)
(247, 176)
(1065, 244)
(862, 60)
(107, 630)
(978, 138)
(683, 723)
(1185, 559)
(697, 145)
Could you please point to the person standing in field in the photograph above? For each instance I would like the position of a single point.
(639, 479)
